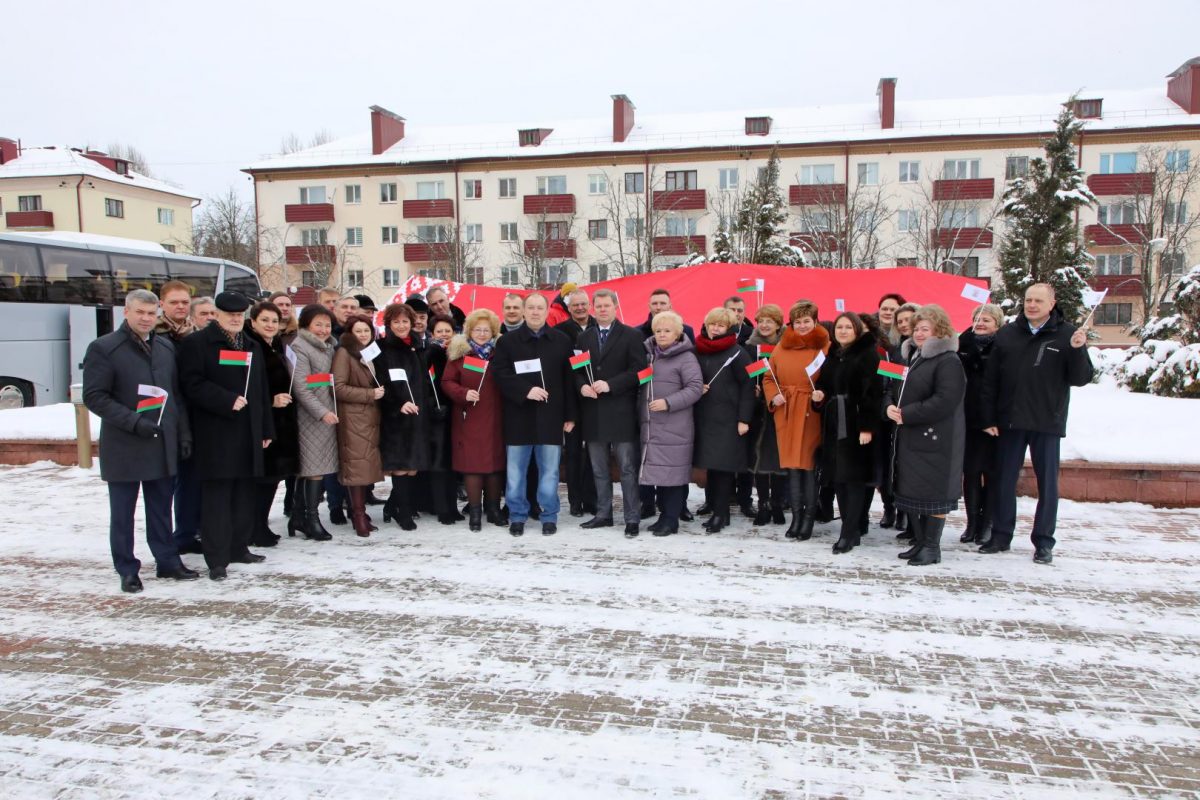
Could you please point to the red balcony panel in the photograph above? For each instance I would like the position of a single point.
(816, 194)
(549, 204)
(681, 200)
(310, 254)
(428, 209)
(427, 251)
(970, 189)
(1129, 284)
(679, 245)
(814, 242)
(1126, 183)
(29, 219)
(1115, 234)
(308, 212)
(551, 248)
(960, 238)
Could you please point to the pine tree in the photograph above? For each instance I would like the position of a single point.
(1042, 242)
(722, 251)
(757, 233)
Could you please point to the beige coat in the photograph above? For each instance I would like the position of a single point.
(358, 416)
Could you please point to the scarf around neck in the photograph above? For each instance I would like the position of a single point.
(705, 345)
(483, 351)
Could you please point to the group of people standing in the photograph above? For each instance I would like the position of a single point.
(218, 411)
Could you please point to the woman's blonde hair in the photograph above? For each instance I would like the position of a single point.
(936, 316)
(719, 316)
(674, 319)
(770, 311)
(992, 310)
(485, 314)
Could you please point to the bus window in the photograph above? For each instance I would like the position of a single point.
(138, 272)
(20, 274)
(240, 279)
(76, 276)
(200, 276)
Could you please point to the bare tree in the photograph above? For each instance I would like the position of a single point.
(842, 229)
(941, 227)
(633, 221)
(546, 250)
(226, 228)
(292, 143)
(453, 255)
(135, 157)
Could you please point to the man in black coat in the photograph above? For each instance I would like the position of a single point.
(140, 448)
(660, 301)
(742, 328)
(222, 373)
(581, 487)
(440, 305)
(533, 372)
(609, 411)
(1035, 361)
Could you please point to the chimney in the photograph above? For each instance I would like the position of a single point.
(622, 117)
(9, 151)
(1183, 86)
(886, 92)
(386, 129)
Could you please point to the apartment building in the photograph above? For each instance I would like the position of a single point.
(868, 185)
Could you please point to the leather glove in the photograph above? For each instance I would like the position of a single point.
(147, 429)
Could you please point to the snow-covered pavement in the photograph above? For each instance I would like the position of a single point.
(446, 664)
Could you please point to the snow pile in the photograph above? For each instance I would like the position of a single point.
(42, 422)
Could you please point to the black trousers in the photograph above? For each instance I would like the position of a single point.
(745, 488)
(122, 503)
(850, 500)
(672, 498)
(187, 504)
(581, 485)
(720, 487)
(264, 498)
(1010, 457)
(226, 519)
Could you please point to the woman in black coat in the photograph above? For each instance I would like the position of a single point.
(848, 396)
(404, 435)
(930, 432)
(442, 486)
(979, 454)
(723, 415)
(282, 457)
(769, 477)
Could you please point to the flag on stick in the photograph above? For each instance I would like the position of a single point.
(747, 285)
(766, 350)
(839, 305)
(433, 383)
(584, 359)
(319, 379)
(475, 364)
(977, 294)
(890, 370)
(813, 367)
(646, 375)
(156, 399)
(757, 368)
(234, 358)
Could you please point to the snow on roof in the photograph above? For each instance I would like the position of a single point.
(815, 124)
(39, 162)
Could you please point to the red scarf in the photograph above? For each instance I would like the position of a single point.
(705, 345)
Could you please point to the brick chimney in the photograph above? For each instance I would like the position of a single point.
(386, 129)
(886, 92)
(8, 150)
(622, 117)
(1183, 86)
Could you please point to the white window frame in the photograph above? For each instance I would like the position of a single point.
(166, 216)
(1177, 160)
(908, 220)
(313, 195)
(727, 179)
(314, 237)
(472, 189)
(1022, 162)
(506, 188)
(391, 278)
(635, 227)
(598, 183)
(960, 169)
(433, 234)
(510, 275)
(387, 192)
(816, 174)
(509, 232)
(354, 278)
(29, 202)
(957, 218)
(431, 190)
(1105, 264)
(389, 235)
(473, 232)
(354, 237)
(679, 226)
(114, 208)
(1118, 213)
(353, 194)
(598, 272)
(910, 171)
(546, 184)
(868, 173)
(1108, 162)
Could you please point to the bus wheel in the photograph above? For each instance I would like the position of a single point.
(15, 393)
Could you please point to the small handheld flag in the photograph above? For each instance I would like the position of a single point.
(397, 374)
(1092, 298)
(318, 380)
(474, 364)
(889, 370)
(151, 404)
(234, 358)
(527, 366)
(815, 364)
(757, 368)
(370, 352)
(433, 383)
(975, 293)
(747, 285)
(839, 304)
(582, 360)
(766, 350)
(646, 375)
(156, 399)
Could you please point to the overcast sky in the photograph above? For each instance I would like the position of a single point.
(204, 89)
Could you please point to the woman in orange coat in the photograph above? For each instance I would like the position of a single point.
(788, 389)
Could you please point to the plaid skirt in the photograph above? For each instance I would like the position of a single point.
(911, 506)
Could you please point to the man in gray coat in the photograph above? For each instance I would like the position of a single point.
(129, 381)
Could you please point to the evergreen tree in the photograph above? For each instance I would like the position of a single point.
(723, 251)
(757, 234)
(1041, 243)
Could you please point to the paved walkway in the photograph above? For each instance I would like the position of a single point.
(446, 664)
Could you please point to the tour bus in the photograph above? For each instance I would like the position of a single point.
(58, 292)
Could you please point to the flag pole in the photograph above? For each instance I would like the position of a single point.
(162, 410)
(246, 391)
(434, 385)
(482, 375)
(333, 393)
(620, 310)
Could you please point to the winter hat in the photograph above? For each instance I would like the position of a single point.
(417, 303)
(567, 288)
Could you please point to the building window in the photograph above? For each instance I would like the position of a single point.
(314, 237)
(1175, 213)
(166, 216)
(1088, 109)
(758, 126)
(1177, 160)
(354, 237)
(510, 275)
(1016, 167)
(635, 182)
(354, 277)
(598, 184)
(1118, 163)
(816, 221)
(1172, 264)
(114, 208)
(508, 187)
(552, 230)
(635, 227)
(868, 174)
(554, 273)
(473, 275)
(353, 194)
(473, 232)
(681, 226)
(387, 192)
(310, 195)
(960, 169)
(597, 272)
(728, 179)
(431, 190)
(508, 231)
(906, 262)
(29, 202)
(1117, 214)
(1114, 313)
(910, 171)
(908, 220)
(170, 248)
(472, 189)
(433, 233)
(1114, 264)
(681, 179)
(390, 234)
(552, 184)
(967, 267)
(960, 218)
(391, 278)
(308, 278)
(812, 174)
(597, 229)
(121, 167)
(436, 273)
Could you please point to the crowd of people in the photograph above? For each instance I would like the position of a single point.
(208, 405)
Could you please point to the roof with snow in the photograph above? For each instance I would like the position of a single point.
(41, 162)
(816, 124)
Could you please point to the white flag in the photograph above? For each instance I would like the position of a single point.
(839, 304)
(976, 294)
(1091, 298)
(397, 375)
(812, 368)
(289, 354)
(531, 365)
(147, 390)
(370, 352)
(761, 284)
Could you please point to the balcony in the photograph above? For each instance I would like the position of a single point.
(1102, 235)
(549, 204)
(310, 254)
(428, 209)
(1129, 284)
(679, 245)
(552, 248)
(816, 194)
(681, 200)
(968, 189)
(308, 212)
(823, 242)
(960, 238)
(427, 251)
(29, 219)
(1125, 183)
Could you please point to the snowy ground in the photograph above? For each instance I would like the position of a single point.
(447, 664)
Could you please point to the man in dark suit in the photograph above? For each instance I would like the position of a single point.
(609, 408)
(736, 306)
(660, 301)
(581, 488)
(130, 382)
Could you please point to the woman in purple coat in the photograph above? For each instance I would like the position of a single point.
(666, 412)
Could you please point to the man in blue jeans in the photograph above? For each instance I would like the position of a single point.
(1035, 361)
(533, 371)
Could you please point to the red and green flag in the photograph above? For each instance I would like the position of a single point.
(757, 368)
(432, 373)
(234, 358)
(584, 359)
(156, 397)
(766, 350)
(319, 379)
(748, 285)
(889, 370)
(646, 375)
(474, 364)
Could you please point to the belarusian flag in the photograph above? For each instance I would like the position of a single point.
(646, 375)
(432, 373)
(474, 364)
(747, 285)
(581, 360)
(765, 350)
(319, 379)
(156, 397)
(889, 370)
(757, 368)
(234, 358)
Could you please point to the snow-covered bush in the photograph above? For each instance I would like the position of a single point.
(1167, 362)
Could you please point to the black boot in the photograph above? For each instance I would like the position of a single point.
(337, 515)
(296, 518)
(931, 542)
(371, 499)
(491, 512)
(475, 518)
(763, 516)
(971, 501)
(808, 496)
(889, 515)
(796, 494)
(915, 527)
(983, 523)
(779, 499)
(902, 526)
(313, 529)
(402, 505)
(289, 497)
(718, 520)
